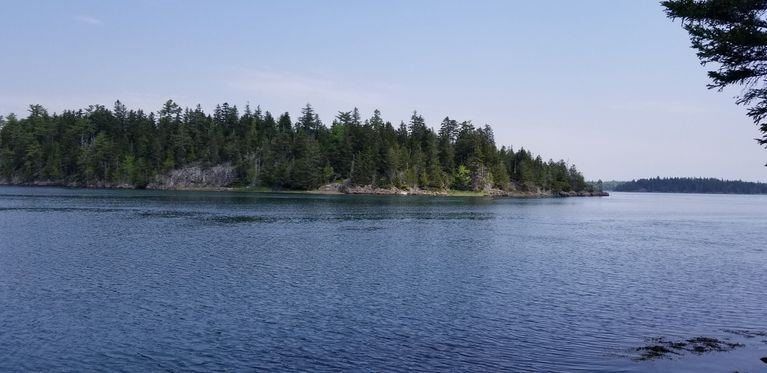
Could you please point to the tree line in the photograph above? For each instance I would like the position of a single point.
(107, 147)
(692, 185)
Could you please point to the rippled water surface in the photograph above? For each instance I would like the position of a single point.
(185, 281)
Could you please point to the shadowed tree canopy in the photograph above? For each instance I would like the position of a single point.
(731, 35)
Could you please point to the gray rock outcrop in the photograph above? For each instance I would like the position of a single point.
(196, 177)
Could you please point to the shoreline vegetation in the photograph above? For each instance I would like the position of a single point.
(328, 189)
(188, 149)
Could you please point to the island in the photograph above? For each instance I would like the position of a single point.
(185, 148)
(690, 185)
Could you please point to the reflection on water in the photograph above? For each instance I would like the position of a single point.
(194, 281)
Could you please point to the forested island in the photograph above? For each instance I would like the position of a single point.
(184, 148)
(692, 185)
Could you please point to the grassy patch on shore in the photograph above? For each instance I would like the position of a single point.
(257, 189)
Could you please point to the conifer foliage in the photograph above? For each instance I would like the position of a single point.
(731, 36)
(102, 146)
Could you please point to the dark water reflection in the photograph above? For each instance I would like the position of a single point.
(148, 280)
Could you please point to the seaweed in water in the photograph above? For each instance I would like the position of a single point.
(701, 345)
(661, 348)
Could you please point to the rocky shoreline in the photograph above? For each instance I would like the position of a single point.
(223, 178)
(371, 190)
(194, 177)
(326, 189)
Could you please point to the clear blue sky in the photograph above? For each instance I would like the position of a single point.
(611, 86)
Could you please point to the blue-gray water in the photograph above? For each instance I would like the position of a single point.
(185, 281)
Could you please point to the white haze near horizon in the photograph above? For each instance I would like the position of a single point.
(610, 86)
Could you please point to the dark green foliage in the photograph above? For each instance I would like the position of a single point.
(731, 34)
(306, 171)
(104, 147)
(692, 185)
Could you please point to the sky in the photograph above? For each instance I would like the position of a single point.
(611, 86)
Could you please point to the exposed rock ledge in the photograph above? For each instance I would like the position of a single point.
(196, 177)
(193, 177)
(371, 190)
(368, 189)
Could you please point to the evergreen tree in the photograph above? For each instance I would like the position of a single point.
(731, 35)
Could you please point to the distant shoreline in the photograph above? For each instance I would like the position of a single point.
(690, 185)
(709, 193)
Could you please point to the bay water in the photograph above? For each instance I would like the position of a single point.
(135, 280)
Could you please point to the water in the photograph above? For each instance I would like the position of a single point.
(185, 281)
